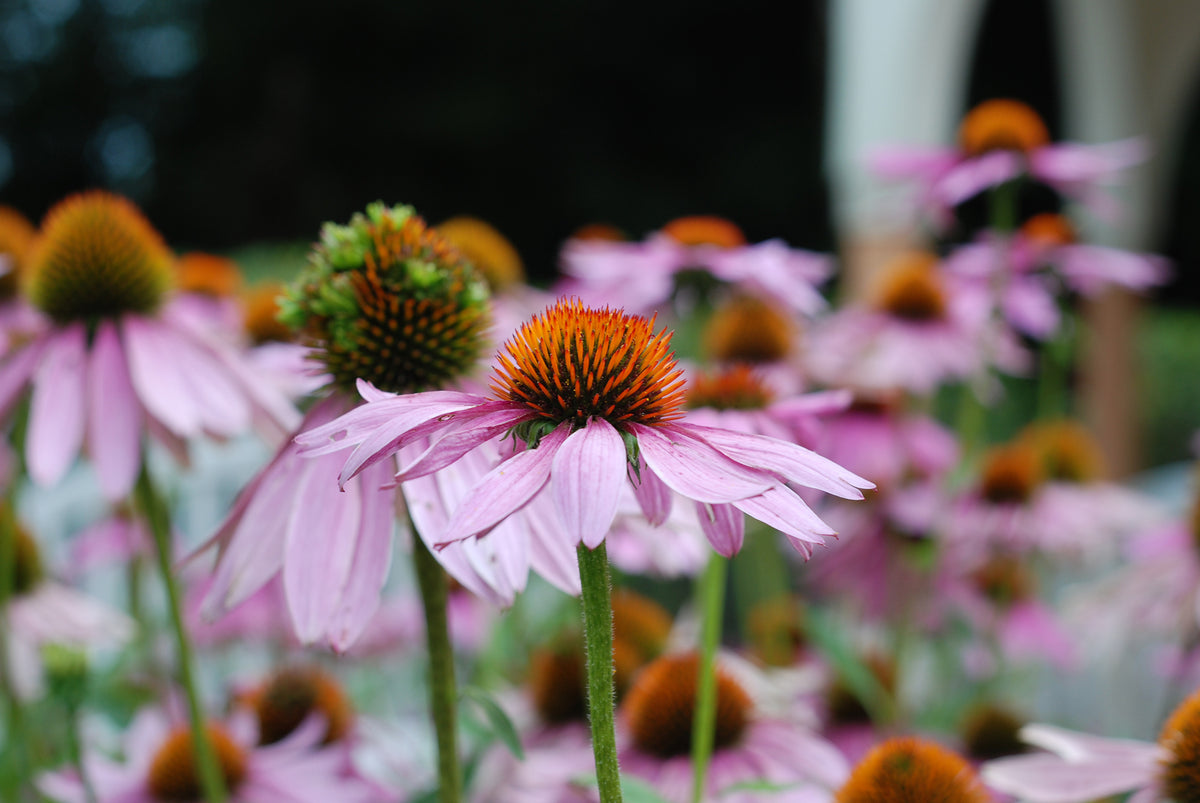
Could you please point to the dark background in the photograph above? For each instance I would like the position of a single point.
(235, 121)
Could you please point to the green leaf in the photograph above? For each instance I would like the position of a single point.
(501, 726)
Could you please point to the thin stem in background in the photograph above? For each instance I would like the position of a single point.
(711, 593)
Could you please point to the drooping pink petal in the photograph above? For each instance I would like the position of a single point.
(788, 461)
(16, 371)
(552, 556)
(724, 525)
(973, 176)
(1073, 163)
(653, 496)
(1088, 269)
(691, 466)
(586, 479)
(782, 508)
(355, 426)
(222, 404)
(450, 439)
(322, 537)
(371, 564)
(911, 161)
(56, 411)
(1045, 778)
(158, 377)
(505, 489)
(1031, 307)
(114, 416)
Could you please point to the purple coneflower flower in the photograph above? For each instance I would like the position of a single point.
(596, 398)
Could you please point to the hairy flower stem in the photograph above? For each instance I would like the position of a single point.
(711, 593)
(443, 693)
(154, 508)
(598, 643)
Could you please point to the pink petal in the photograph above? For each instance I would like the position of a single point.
(371, 564)
(789, 461)
(505, 489)
(975, 175)
(15, 373)
(1089, 269)
(782, 508)
(552, 556)
(1074, 162)
(450, 440)
(586, 480)
(724, 525)
(158, 377)
(910, 161)
(694, 468)
(653, 496)
(222, 404)
(355, 426)
(56, 411)
(114, 416)
(322, 536)
(1045, 778)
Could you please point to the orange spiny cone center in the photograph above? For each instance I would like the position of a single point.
(572, 363)
(1049, 229)
(911, 289)
(173, 776)
(661, 705)
(1002, 125)
(260, 313)
(97, 256)
(208, 275)
(735, 388)
(290, 695)
(1010, 474)
(704, 230)
(16, 235)
(991, 732)
(1181, 737)
(486, 248)
(1067, 451)
(748, 329)
(1005, 580)
(909, 770)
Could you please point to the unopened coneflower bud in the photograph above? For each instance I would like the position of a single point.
(389, 300)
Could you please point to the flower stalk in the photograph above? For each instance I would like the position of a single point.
(154, 508)
(443, 694)
(598, 644)
(711, 593)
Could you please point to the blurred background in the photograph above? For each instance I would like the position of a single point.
(241, 122)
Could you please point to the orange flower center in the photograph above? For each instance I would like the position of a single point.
(1004, 580)
(660, 707)
(1010, 475)
(911, 289)
(1002, 125)
(1067, 451)
(776, 630)
(486, 248)
(1049, 229)
(572, 363)
(735, 388)
(28, 565)
(748, 329)
(1181, 737)
(990, 732)
(291, 694)
(704, 230)
(173, 777)
(208, 274)
(640, 622)
(604, 232)
(97, 256)
(910, 770)
(260, 306)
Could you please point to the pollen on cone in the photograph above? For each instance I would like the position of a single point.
(910, 770)
(1181, 738)
(1002, 124)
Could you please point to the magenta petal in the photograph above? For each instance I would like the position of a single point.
(371, 565)
(114, 416)
(450, 440)
(724, 525)
(586, 479)
(977, 174)
(788, 461)
(56, 411)
(910, 161)
(694, 468)
(322, 536)
(1046, 778)
(552, 556)
(653, 496)
(505, 489)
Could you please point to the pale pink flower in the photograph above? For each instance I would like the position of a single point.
(641, 276)
(158, 765)
(585, 389)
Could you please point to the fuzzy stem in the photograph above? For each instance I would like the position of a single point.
(598, 643)
(154, 508)
(443, 693)
(711, 591)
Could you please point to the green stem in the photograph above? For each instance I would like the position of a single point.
(1053, 399)
(154, 508)
(443, 694)
(598, 642)
(711, 592)
(75, 752)
(19, 769)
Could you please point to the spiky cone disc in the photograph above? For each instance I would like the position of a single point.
(97, 256)
(910, 770)
(173, 776)
(1002, 124)
(387, 299)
